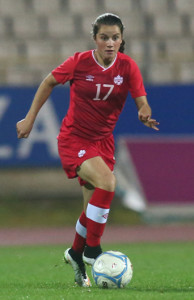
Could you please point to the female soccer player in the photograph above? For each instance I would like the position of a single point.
(100, 80)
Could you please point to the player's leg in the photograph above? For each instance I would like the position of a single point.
(96, 172)
(69, 159)
(74, 258)
(74, 255)
(87, 191)
(81, 225)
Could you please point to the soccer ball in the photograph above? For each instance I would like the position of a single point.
(112, 269)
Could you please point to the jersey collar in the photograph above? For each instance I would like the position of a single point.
(103, 68)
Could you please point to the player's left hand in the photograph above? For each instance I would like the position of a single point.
(147, 121)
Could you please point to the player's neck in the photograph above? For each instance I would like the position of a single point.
(103, 62)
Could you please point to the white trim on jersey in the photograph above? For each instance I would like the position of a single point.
(97, 214)
(104, 69)
(80, 229)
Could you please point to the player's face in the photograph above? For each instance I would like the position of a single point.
(108, 41)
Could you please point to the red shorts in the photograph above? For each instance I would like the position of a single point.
(74, 150)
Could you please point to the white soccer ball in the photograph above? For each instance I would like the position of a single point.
(112, 269)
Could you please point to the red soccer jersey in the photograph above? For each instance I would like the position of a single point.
(97, 94)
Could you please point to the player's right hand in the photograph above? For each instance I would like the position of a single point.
(23, 128)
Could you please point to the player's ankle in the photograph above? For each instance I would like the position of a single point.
(92, 252)
(74, 254)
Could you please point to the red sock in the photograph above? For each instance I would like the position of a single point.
(97, 214)
(80, 236)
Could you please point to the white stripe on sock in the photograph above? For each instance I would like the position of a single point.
(80, 229)
(97, 214)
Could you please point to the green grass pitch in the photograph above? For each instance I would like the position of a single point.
(161, 271)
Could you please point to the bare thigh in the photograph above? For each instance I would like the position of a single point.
(97, 173)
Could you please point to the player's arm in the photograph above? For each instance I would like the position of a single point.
(24, 126)
(145, 112)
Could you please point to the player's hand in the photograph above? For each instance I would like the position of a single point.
(147, 121)
(23, 128)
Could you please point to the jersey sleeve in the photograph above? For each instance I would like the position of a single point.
(64, 72)
(136, 86)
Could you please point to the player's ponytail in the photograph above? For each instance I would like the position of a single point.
(122, 47)
(108, 19)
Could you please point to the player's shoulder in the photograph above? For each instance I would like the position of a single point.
(126, 58)
(82, 55)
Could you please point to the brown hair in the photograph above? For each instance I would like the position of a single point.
(108, 19)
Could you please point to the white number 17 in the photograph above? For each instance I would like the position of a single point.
(110, 86)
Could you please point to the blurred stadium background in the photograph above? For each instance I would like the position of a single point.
(155, 170)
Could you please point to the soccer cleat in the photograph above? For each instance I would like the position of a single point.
(81, 277)
(90, 254)
(89, 261)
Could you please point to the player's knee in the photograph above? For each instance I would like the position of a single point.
(108, 182)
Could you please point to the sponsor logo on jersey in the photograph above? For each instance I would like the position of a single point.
(81, 153)
(89, 77)
(118, 80)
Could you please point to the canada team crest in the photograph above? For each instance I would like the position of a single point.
(118, 80)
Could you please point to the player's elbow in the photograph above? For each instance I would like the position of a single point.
(50, 81)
